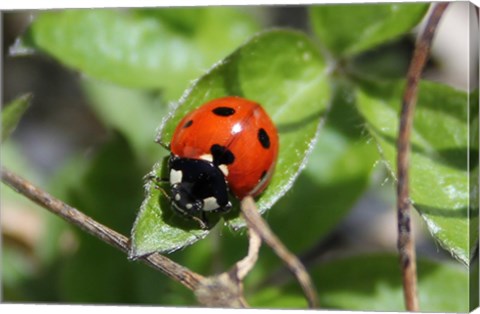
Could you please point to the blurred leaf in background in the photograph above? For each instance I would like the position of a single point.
(31, 237)
(162, 48)
(135, 64)
(134, 113)
(348, 29)
(12, 113)
(372, 283)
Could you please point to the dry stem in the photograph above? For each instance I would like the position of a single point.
(226, 289)
(406, 245)
(173, 270)
(255, 222)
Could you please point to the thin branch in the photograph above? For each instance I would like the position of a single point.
(245, 265)
(406, 245)
(173, 270)
(255, 222)
(226, 289)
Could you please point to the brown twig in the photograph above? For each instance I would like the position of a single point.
(406, 245)
(226, 289)
(245, 265)
(255, 222)
(173, 270)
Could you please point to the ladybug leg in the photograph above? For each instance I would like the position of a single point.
(203, 221)
(156, 179)
(224, 209)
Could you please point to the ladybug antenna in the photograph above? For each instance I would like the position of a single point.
(158, 182)
(162, 190)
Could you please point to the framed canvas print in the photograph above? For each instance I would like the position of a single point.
(287, 156)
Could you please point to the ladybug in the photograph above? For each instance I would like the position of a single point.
(227, 145)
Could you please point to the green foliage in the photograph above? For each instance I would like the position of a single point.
(249, 73)
(132, 112)
(340, 161)
(110, 197)
(439, 161)
(371, 283)
(136, 62)
(12, 113)
(346, 30)
(330, 169)
(142, 49)
(21, 279)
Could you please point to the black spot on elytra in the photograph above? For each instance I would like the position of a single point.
(222, 155)
(187, 124)
(263, 138)
(223, 111)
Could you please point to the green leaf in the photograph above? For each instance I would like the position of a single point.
(157, 227)
(389, 61)
(12, 113)
(160, 49)
(281, 70)
(337, 163)
(474, 177)
(439, 173)
(134, 113)
(374, 283)
(342, 160)
(346, 168)
(348, 29)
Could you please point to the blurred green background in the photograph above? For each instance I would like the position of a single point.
(89, 142)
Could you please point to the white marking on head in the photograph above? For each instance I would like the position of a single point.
(189, 206)
(224, 169)
(177, 197)
(175, 176)
(210, 203)
(207, 157)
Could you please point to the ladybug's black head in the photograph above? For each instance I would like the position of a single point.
(197, 186)
(184, 201)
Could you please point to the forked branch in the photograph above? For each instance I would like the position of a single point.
(224, 290)
(256, 223)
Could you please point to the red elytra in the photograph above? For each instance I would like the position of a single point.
(244, 128)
